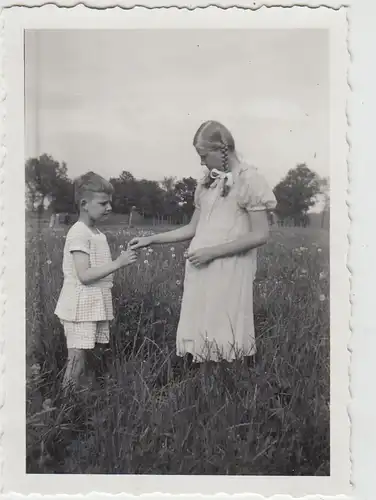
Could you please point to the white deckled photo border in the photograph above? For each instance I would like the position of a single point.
(16, 20)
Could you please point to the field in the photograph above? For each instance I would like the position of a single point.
(148, 413)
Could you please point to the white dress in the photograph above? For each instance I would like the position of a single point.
(216, 320)
(78, 302)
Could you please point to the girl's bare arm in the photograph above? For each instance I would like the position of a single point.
(182, 234)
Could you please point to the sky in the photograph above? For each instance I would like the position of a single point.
(110, 101)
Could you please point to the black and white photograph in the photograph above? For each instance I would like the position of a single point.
(178, 212)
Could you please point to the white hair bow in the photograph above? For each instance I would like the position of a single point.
(219, 175)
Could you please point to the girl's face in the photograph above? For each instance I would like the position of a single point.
(97, 206)
(210, 158)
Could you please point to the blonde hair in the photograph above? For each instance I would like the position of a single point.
(213, 136)
(88, 184)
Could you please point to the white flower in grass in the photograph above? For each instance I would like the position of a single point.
(172, 249)
(319, 250)
(49, 262)
(322, 275)
(47, 404)
(304, 271)
(178, 282)
(146, 262)
(121, 247)
(173, 255)
(322, 297)
(35, 370)
(150, 250)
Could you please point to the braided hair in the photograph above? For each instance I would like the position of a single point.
(225, 167)
(212, 135)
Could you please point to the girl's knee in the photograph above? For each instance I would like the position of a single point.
(76, 356)
(75, 353)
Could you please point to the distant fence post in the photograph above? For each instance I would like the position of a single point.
(131, 216)
(52, 220)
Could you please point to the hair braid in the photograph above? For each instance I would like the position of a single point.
(224, 152)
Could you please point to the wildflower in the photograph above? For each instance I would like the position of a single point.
(121, 247)
(35, 370)
(322, 275)
(146, 262)
(150, 250)
(303, 249)
(322, 297)
(49, 262)
(319, 250)
(173, 255)
(172, 249)
(186, 254)
(304, 271)
(178, 282)
(47, 404)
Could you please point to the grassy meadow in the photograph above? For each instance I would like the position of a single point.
(145, 412)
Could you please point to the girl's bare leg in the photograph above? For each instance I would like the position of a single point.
(74, 369)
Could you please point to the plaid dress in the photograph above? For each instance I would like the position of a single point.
(78, 302)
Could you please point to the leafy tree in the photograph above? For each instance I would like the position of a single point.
(150, 198)
(47, 178)
(171, 198)
(125, 192)
(170, 201)
(184, 191)
(126, 176)
(63, 197)
(168, 183)
(296, 194)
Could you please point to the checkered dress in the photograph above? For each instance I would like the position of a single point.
(78, 302)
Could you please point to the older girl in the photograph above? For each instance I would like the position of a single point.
(227, 227)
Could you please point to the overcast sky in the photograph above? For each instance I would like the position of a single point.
(132, 100)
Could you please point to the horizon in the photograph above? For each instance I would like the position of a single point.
(158, 180)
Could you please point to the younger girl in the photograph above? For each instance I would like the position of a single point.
(85, 303)
(229, 223)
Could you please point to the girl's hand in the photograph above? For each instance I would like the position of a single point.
(201, 257)
(126, 258)
(140, 242)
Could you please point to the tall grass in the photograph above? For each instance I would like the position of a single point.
(147, 413)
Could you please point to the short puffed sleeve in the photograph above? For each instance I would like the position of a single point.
(78, 239)
(198, 194)
(254, 192)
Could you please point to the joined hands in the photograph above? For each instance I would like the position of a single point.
(140, 242)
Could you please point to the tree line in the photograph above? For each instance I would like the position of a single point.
(171, 198)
